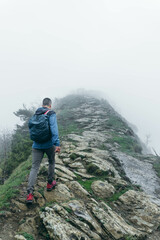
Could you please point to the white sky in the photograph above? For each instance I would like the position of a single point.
(49, 48)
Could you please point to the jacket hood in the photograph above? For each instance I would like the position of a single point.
(41, 110)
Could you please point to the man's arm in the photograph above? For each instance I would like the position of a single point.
(54, 132)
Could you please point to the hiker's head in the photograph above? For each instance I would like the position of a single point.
(47, 102)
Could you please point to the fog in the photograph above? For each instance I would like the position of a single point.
(51, 48)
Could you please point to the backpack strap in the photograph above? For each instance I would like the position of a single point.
(46, 112)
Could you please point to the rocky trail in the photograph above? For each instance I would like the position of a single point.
(102, 193)
(80, 207)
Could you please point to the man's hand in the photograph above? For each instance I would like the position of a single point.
(58, 149)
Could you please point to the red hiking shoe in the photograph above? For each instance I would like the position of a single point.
(51, 186)
(29, 198)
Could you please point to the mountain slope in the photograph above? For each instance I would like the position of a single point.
(96, 196)
(82, 113)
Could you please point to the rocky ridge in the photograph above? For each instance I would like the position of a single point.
(97, 196)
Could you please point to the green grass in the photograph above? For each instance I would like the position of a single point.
(27, 235)
(69, 210)
(87, 183)
(130, 238)
(10, 187)
(127, 143)
(117, 195)
(116, 122)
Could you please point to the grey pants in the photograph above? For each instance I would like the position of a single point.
(37, 155)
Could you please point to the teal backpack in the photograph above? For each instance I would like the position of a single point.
(39, 127)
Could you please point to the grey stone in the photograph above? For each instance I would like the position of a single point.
(60, 194)
(58, 227)
(103, 189)
(139, 210)
(77, 189)
(65, 170)
(114, 223)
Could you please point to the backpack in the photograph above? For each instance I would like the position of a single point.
(39, 128)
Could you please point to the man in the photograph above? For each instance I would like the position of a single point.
(49, 147)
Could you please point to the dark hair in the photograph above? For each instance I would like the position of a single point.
(46, 102)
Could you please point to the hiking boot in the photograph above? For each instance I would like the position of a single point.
(51, 186)
(29, 198)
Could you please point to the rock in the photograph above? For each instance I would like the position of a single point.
(58, 160)
(117, 182)
(76, 165)
(82, 170)
(41, 184)
(136, 170)
(77, 189)
(76, 137)
(97, 136)
(60, 194)
(64, 180)
(67, 147)
(103, 165)
(19, 237)
(63, 155)
(103, 189)
(63, 175)
(85, 228)
(139, 210)
(73, 220)
(113, 223)
(82, 155)
(102, 154)
(21, 206)
(66, 160)
(39, 199)
(84, 175)
(5, 214)
(29, 227)
(59, 228)
(65, 170)
(60, 210)
(80, 211)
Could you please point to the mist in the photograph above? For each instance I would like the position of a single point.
(51, 48)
